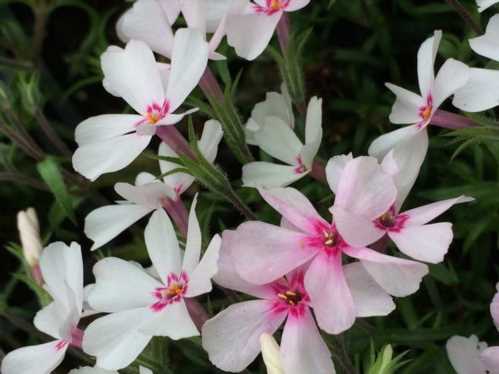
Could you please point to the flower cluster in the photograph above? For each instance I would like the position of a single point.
(308, 274)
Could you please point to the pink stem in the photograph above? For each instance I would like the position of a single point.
(178, 213)
(197, 312)
(36, 273)
(175, 140)
(318, 171)
(283, 33)
(76, 337)
(452, 121)
(210, 87)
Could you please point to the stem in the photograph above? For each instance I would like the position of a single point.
(197, 312)
(318, 171)
(210, 87)
(240, 205)
(178, 213)
(283, 33)
(175, 140)
(452, 121)
(465, 15)
(51, 135)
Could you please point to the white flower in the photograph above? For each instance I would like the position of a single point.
(96, 370)
(148, 194)
(250, 25)
(271, 354)
(110, 142)
(62, 270)
(143, 306)
(418, 110)
(29, 233)
(464, 354)
(271, 128)
(482, 90)
(485, 4)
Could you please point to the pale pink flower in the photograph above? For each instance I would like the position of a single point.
(251, 27)
(264, 253)
(110, 142)
(361, 226)
(482, 90)
(142, 305)
(62, 270)
(271, 128)
(419, 109)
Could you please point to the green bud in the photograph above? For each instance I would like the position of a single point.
(29, 89)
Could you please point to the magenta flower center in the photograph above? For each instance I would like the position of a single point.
(391, 221)
(291, 296)
(327, 239)
(426, 111)
(156, 112)
(173, 292)
(300, 167)
(272, 6)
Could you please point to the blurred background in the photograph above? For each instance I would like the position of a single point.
(50, 78)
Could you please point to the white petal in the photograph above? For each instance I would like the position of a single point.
(194, 12)
(464, 355)
(54, 320)
(146, 21)
(110, 155)
(484, 4)
(313, 130)
(174, 322)
(144, 178)
(368, 297)
(405, 110)
(200, 278)
(179, 182)
(120, 285)
(148, 195)
(275, 105)
(91, 370)
(194, 241)
(488, 44)
(452, 76)
(115, 340)
(132, 74)
(162, 244)
(171, 8)
(242, 36)
(380, 147)
(189, 60)
(426, 213)
(334, 170)
(232, 337)
(105, 223)
(426, 60)
(490, 359)
(269, 175)
(106, 126)
(279, 140)
(302, 348)
(143, 370)
(210, 139)
(480, 93)
(36, 359)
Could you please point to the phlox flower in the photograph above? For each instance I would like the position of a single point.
(485, 4)
(110, 142)
(62, 270)
(148, 194)
(151, 22)
(271, 128)
(271, 354)
(409, 230)
(419, 110)
(482, 90)
(264, 253)
(251, 26)
(141, 305)
(96, 370)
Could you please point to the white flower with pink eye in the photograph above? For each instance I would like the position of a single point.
(419, 110)
(149, 193)
(271, 128)
(151, 22)
(96, 370)
(143, 306)
(263, 253)
(482, 90)
(410, 230)
(485, 4)
(110, 142)
(62, 270)
(251, 25)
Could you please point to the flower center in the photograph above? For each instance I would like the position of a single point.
(276, 4)
(425, 112)
(292, 298)
(156, 112)
(387, 219)
(390, 221)
(330, 238)
(174, 291)
(271, 7)
(300, 167)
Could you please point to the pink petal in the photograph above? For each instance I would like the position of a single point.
(334, 170)
(464, 355)
(232, 337)
(494, 308)
(329, 294)
(490, 359)
(264, 253)
(426, 213)
(302, 348)
(356, 230)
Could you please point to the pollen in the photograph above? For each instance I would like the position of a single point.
(387, 219)
(290, 297)
(329, 239)
(426, 112)
(173, 290)
(276, 5)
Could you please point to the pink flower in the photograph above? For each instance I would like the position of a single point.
(361, 224)
(264, 253)
(251, 25)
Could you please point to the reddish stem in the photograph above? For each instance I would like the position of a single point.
(36, 273)
(452, 121)
(197, 312)
(283, 33)
(76, 337)
(178, 213)
(210, 87)
(318, 171)
(175, 140)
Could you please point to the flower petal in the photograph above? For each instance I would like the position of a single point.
(106, 126)
(494, 308)
(356, 230)
(54, 320)
(269, 175)
(35, 359)
(178, 182)
(334, 170)
(120, 285)
(109, 155)
(174, 322)
(302, 348)
(313, 131)
(380, 147)
(480, 93)
(232, 337)
(405, 110)
(171, 8)
(487, 45)
(490, 360)
(485, 4)
(426, 60)
(464, 355)
(210, 139)
(396, 276)
(426, 213)
(162, 244)
(194, 241)
(329, 294)
(275, 105)
(452, 76)
(105, 223)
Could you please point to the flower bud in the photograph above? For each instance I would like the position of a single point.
(29, 233)
(271, 354)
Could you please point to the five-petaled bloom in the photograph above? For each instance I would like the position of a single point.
(145, 304)
(62, 271)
